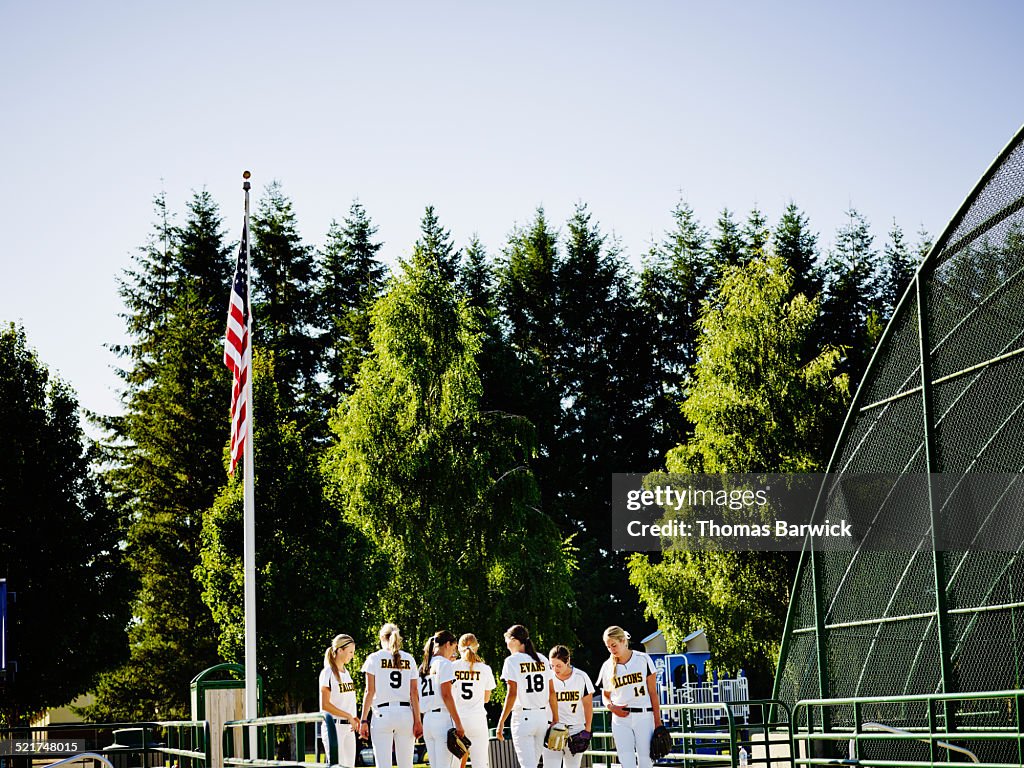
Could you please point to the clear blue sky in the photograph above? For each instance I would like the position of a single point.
(484, 110)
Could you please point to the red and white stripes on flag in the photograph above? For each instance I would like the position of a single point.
(238, 351)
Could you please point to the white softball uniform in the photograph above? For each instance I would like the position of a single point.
(626, 685)
(342, 696)
(391, 725)
(472, 681)
(569, 694)
(436, 719)
(531, 713)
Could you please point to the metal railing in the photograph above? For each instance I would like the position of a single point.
(710, 734)
(274, 736)
(975, 730)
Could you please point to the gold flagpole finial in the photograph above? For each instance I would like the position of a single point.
(245, 184)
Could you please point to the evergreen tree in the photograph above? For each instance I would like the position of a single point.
(58, 543)
(797, 246)
(727, 245)
(434, 247)
(352, 279)
(527, 292)
(755, 235)
(443, 490)
(500, 371)
(527, 298)
(604, 372)
(850, 307)
(284, 293)
(167, 458)
(676, 278)
(313, 570)
(477, 278)
(758, 405)
(897, 269)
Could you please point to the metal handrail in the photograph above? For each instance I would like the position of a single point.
(890, 729)
(265, 745)
(74, 758)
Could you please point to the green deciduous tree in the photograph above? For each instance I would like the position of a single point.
(757, 404)
(313, 572)
(58, 542)
(442, 489)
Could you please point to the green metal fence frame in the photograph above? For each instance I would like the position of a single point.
(934, 736)
(917, 292)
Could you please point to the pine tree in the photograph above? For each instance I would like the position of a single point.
(527, 292)
(284, 293)
(603, 366)
(434, 247)
(897, 268)
(501, 374)
(755, 236)
(797, 246)
(167, 461)
(352, 279)
(850, 306)
(676, 278)
(727, 245)
(58, 543)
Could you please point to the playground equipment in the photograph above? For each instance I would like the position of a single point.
(938, 423)
(683, 678)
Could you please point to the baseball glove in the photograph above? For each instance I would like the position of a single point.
(556, 737)
(661, 742)
(579, 742)
(456, 745)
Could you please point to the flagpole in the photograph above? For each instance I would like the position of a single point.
(249, 512)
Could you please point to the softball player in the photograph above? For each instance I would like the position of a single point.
(391, 687)
(574, 693)
(474, 682)
(338, 697)
(530, 698)
(629, 686)
(436, 702)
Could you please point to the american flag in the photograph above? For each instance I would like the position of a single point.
(237, 352)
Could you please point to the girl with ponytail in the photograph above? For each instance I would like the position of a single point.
(474, 682)
(436, 702)
(338, 697)
(531, 696)
(391, 688)
(629, 685)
